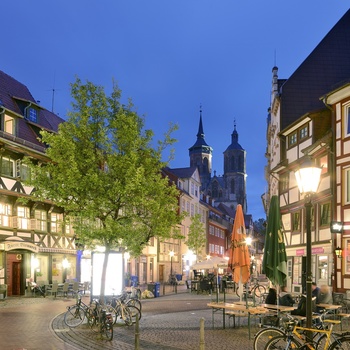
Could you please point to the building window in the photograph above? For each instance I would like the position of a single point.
(56, 222)
(9, 125)
(233, 186)
(22, 170)
(347, 121)
(41, 220)
(23, 217)
(296, 221)
(32, 115)
(292, 139)
(5, 214)
(323, 163)
(347, 186)
(284, 182)
(304, 132)
(325, 217)
(7, 166)
(298, 135)
(192, 188)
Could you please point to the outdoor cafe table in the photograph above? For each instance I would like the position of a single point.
(280, 308)
(235, 307)
(329, 306)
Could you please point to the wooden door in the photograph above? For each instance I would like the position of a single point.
(16, 278)
(161, 273)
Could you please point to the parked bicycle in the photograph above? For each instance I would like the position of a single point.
(254, 289)
(101, 321)
(323, 337)
(76, 314)
(123, 308)
(281, 326)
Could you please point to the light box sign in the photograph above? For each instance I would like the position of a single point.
(114, 274)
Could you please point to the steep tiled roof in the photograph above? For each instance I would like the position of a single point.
(327, 66)
(183, 173)
(14, 96)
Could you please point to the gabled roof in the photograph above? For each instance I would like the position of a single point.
(15, 96)
(327, 66)
(183, 173)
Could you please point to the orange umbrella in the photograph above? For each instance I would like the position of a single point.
(239, 256)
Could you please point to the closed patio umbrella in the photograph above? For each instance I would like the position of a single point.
(275, 259)
(239, 256)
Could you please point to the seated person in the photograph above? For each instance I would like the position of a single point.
(285, 298)
(301, 309)
(324, 297)
(271, 297)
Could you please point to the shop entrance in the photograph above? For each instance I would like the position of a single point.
(14, 274)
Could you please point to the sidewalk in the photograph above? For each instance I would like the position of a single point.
(169, 322)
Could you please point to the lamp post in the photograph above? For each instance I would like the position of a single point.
(308, 179)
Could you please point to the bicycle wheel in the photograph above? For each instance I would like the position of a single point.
(107, 328)
(93, 321)
(135, 312)
(282, 342)
(342, 343)
(264, 335)
(134, 302)
(74, 316)
(110, 309)
(259, 290)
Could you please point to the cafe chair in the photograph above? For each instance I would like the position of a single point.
(63, 290)
(53, 289)
(3, 291)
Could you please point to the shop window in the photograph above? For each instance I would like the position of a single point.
(346, 255)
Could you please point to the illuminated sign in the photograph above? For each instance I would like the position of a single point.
(114, 274)
(21, 245)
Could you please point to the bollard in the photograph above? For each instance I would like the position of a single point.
(137, 334)
(163, 288)
(201, 334)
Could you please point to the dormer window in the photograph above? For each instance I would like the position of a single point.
(9, 125)
(32, 115)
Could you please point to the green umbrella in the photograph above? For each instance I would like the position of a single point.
(275, 258)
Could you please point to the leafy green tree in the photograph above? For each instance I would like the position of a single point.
(196, 236)
(106, 175)
(260, 226)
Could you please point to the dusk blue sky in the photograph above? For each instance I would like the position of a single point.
(170, 57)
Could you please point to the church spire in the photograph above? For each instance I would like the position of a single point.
(201, 153)
(234, 135)
(200, 133)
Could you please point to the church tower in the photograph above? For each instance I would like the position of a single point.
(201, 155)
(235, 173)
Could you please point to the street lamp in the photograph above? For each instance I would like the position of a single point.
(308, 179)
